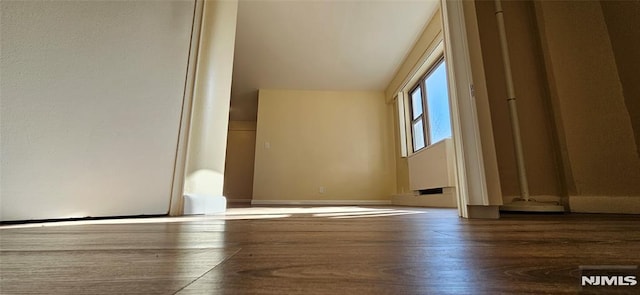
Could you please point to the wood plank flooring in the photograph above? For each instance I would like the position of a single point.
(321, 250)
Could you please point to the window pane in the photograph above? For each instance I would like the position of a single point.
(438, 104)
(418, 135)
(416, 103)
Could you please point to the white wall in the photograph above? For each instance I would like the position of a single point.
(91, 97)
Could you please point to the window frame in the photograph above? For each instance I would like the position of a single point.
(422, 85)
(422, 117)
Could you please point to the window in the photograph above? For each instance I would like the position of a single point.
(417, 111)
(429, 102)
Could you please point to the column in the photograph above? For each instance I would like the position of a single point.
(204, 177)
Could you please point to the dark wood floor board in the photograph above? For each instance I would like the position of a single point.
(372, 277)
(105, 272)
(212, 225)
(402, 254)
(110, 241)
(324, 250)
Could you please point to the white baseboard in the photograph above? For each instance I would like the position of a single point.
(204, 204)
(323, 202)
(539, 198)
(605, 204)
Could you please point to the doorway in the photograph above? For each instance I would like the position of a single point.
(240, 158)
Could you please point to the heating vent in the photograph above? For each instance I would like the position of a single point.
(431, 191)
(432, 166)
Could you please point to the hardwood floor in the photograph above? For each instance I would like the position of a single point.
(322, 250)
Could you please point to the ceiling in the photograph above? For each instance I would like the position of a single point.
(321, 45)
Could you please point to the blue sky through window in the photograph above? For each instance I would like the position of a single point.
(438, 104)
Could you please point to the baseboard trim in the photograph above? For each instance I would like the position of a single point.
(195, 204)
(238, 200)
(605, 204)
(483, 212)
(539, 198)
(323, 202)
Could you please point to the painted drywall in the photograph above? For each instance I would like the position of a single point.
(402, 165)
(321, 45)
(588, 98)
(428, 40)
(466, 122)
(410, 67)
(210, 118)
(536, 122)
(91, 97)
(336, 140)
(414, 66)
(241, 150)
(483, 106)
(623, 27)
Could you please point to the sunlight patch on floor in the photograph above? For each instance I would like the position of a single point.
(337, 212)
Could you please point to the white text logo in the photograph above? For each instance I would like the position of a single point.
(609, 280)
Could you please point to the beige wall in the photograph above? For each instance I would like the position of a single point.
(402, 163)
(536, 121)
(483, 106)
(414, 65)
(411, 67)
(575, 83)
(91, 99)
(238, 171)
(589, 99)
(623, 26)
(337, 140)
(411, 64)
